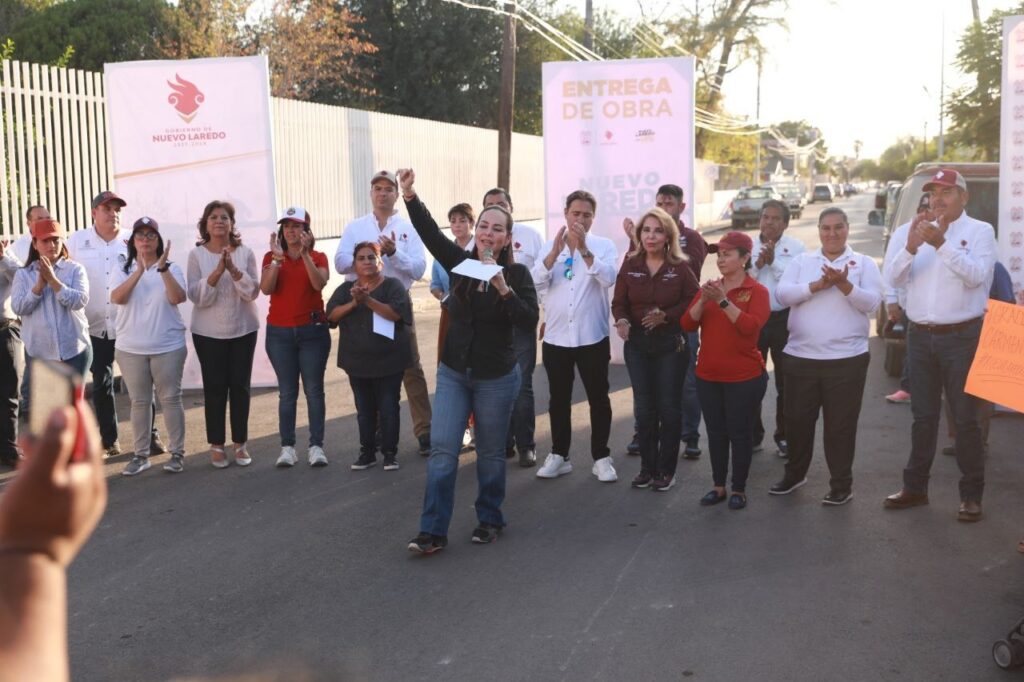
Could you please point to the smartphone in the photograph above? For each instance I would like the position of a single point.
(56, 385)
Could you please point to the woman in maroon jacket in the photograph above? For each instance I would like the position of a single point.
(730, 371)
(652, 290)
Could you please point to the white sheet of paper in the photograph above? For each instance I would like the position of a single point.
(383, 326)
(477, 270)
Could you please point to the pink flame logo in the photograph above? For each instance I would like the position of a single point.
(185, 98)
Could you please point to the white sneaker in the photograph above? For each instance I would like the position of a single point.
(604, 470)
(287, 457)
(554, 466)
(317, 458)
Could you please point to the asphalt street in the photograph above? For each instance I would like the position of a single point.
(303, 574)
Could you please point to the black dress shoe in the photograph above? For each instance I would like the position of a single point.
(692, 450)
(634, 446)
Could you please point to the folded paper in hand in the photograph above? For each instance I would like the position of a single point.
(476, 270)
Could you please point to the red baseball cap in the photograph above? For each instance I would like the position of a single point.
(946, 178)
(295, 214)
(106, 196)
(46, 228)
(733, 240)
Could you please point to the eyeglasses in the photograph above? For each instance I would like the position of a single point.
(148, 236)
(568, 268)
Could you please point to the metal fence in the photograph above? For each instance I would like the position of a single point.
(54, 151)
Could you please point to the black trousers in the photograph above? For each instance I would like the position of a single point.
(10, 361)
(226, 365)
(561, 363)
(774, 337)
(835, 389)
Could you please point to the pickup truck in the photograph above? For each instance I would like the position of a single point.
(746, 205)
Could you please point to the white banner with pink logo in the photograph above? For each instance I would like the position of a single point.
(618, 129)
(183, 133)
(1011, 152)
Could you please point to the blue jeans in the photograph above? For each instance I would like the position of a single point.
(520, 433)
(730, 408)
(939, 363)
(691, 403)
(657, 368)
(378, 396)
(491, 401)
(294, 352)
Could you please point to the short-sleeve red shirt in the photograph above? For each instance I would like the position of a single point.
(294, 299)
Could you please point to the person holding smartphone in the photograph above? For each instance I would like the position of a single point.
(298, 341)
(150, 341)
(50, 294)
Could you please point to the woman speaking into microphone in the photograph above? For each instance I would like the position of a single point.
(478, 371)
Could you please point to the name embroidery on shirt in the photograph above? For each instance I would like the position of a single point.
(670, 274)
(637, 274)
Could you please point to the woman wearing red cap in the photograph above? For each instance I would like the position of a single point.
(50, 294)
(653, 288)
(731, 378)
(150, 342)
(298, 343)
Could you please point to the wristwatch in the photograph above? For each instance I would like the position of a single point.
(586, 254)
(164, 268)
(723, 304)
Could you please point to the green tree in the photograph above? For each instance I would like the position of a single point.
(723, 34)
(974, 109)
(98, 30)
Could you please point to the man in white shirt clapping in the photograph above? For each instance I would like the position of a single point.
(405, 260)
(946, 267)
(526, 248)
(573, 281)
(773, 251)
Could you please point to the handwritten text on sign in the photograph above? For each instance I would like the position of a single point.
(997, 373)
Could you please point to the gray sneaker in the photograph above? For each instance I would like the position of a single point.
(175, 465)
(136, 466)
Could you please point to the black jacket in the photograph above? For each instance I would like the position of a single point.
(480, 331)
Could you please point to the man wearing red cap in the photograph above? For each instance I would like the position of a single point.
(102, 249)
(404, 259)
(946, 267)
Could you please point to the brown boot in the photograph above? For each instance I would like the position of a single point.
(905, 500)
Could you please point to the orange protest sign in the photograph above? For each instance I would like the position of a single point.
(997, 373)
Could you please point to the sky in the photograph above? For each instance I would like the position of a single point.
(866, 70)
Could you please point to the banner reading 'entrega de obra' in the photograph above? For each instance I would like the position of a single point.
(186, 132)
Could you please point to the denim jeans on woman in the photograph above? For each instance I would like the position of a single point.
(491, 401)
(657, 368)
(377, 404)
(730, 408)
(299, 352)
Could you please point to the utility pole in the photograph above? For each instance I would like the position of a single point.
(757, 122)
(942, 84)
(588, 31)
(506, 105)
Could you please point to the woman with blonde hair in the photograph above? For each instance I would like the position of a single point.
(652, 290)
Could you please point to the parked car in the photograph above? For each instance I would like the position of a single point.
(746, 205)
(793, 197)
(822, 192)
(982, 203)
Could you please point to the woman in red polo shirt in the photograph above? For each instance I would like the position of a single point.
(731, 379)
(298, 342)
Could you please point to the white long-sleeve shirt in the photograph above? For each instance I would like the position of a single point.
(526, 244)
(950, 284)
(226, 311)
(786, 249)
(9, 266)
(829, 325)
(407, 264)
(576, 309)
(897, 242)
(100, 259)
